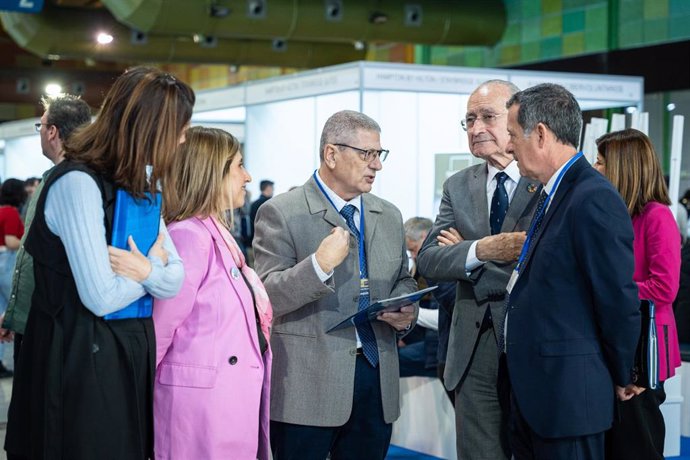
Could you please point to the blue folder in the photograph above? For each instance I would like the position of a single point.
(139, 218)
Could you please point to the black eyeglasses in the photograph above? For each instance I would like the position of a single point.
(489, 119)
(368, 155)
(38, 126)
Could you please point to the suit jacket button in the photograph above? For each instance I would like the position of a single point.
(478, 324)
(232, 360)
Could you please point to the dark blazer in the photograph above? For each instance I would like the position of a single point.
(573, 314)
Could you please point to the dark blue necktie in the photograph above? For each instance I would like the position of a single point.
(499, 204)
(365, 331)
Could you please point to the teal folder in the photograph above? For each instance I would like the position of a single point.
(139, 218)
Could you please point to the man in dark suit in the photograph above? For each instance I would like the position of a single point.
(325, 250)
(266, 189)
(490, 205)
(572, 322)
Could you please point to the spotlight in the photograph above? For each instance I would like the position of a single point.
(359, 45)
(256, 9)
(78, 88)
(205, 41)
(671, 107)
(104, 38)
(631, 109)
(138, 37)
(217, 11)
(279, 45)
(334, 10)
(413, 15)
(23, 86)
(53, 89)
(378, 18)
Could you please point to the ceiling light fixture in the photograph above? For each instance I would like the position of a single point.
(104, 38)
(53, 89)
(378, 18)
(217, 11)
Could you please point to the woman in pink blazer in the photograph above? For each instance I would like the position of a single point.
(211, 394)
(628, 160)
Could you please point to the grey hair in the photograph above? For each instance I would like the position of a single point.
(510, 86)
(342, 126)
(66, 112)
(552, 105)
(416, 228)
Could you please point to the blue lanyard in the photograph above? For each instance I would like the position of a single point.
(361, 224)
(525, 246)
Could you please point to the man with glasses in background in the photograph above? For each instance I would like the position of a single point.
(476, 241)
(62, 115)
(324, 251)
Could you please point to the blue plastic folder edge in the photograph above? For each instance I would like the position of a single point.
(392, 304)
(139, 218)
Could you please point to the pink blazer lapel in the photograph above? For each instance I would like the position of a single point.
(232, 271)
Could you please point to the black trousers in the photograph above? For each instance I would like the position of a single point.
(365, 436)
(638, 430)
(528, 445)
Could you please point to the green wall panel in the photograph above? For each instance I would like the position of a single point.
(573, 21)
(539, 30)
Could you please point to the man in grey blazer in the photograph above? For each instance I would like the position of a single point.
(334, 392)
(476, 240)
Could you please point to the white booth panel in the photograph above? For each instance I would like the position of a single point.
(282, 138)
(396, 113)
(23, 158)
(415, 127)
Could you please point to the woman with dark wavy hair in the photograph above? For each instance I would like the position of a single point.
(628, 160)
(84, 385)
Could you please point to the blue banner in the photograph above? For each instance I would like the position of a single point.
(22, 6)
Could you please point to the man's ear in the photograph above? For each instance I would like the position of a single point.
(329, 155)
(53, 132)
(542, 133)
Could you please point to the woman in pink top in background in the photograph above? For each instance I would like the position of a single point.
(628, 160)
(211, 391)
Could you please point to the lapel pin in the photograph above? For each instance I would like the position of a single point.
(531, 188)
(235, 273)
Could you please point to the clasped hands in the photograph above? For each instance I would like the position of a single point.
(133, 264)
(332, 252)
(628, 392)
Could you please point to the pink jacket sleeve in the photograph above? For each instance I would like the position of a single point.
(662, 248)
(193, 245)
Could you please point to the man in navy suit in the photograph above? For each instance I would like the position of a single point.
(572, 321)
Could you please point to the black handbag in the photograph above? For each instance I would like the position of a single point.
(645, 372)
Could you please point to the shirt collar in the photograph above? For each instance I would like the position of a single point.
(549, 187)
(511, 170)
